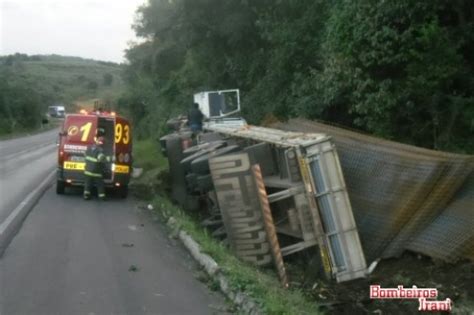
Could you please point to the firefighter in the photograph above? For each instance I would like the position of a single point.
(95, 166)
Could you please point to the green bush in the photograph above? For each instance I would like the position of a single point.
(398, 69)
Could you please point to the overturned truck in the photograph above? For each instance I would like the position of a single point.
(268, 193)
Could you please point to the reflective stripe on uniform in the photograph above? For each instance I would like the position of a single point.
(87, 173)
(92, 159)
(86, 192)
(101, 195)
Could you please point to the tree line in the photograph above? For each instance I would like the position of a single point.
(397, 69)
(29, 84)
(21, 101)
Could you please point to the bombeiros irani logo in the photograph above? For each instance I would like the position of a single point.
(426, 297)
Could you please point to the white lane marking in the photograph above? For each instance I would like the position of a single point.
(5, 224)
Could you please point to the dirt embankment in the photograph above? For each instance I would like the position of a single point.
(454, 281)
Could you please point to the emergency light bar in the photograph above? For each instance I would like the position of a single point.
(85, 112)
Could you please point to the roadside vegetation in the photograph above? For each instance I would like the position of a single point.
(309, 292)
(147, 155)
(52, 124)
(401, 70)
(29, 84)
(154, 178)
(259, 283)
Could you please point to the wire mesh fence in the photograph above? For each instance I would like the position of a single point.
(404, 197)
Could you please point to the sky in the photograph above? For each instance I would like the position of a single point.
(96, 29)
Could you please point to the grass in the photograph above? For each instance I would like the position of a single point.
(262, 285)
(22, 133)
(30, 85)
(66, 79)
(147, 155)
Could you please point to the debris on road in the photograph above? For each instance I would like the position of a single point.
(133, 268)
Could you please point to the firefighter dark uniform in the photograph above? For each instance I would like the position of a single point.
(195, 118)
(94, 171)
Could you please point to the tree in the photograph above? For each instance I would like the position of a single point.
(398, 69)
(92, 85)
(20, 103)
(108, 79)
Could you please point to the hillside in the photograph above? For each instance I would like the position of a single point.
(68, 79)
(30, 84)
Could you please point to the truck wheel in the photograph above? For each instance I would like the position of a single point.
(191, 203)
(123, 192)
(204, 183)
(60, 187)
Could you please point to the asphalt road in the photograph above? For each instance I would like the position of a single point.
(24, 163)
(76, 257)
(89, 257)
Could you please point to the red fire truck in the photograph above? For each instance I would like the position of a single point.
(78, 131)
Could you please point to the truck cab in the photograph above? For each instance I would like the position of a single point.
(56, 111)
(79, 131)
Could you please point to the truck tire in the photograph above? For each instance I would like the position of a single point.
(191, 203)
(162, 143)
(204, 183)
(191, 182)
(60, 187)
(123, 191)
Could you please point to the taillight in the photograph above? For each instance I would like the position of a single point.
(61, 157)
